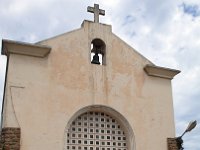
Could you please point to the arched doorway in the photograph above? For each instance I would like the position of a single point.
(98, 128)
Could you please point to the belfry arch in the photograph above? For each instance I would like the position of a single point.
(98, 128)
(98, 51)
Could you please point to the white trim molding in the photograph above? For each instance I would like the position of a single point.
(161, 72)
(21, 48)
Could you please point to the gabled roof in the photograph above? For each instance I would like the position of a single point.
(40, 50)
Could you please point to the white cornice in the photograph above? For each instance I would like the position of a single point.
(161, 72)
(14, 47)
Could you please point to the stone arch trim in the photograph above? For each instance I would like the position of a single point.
(111, 112)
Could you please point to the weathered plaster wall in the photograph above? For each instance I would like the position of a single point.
(42, 94)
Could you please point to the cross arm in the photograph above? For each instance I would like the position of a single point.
(90, 9)
(101, 12)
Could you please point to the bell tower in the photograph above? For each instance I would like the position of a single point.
(97, 45)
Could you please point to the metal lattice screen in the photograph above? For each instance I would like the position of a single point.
(95, 131)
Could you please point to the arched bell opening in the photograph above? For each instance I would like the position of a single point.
(98, 49)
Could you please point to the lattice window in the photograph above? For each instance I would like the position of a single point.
(95, 131)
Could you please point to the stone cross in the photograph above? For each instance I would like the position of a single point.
(96, 12)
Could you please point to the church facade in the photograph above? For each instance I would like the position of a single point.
(85, 90)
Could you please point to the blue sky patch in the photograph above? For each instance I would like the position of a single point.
(192, 10)
(129, 19)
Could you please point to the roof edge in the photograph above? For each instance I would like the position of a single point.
(161, 72)
(136, 51)
(23, 48)
(89, 21)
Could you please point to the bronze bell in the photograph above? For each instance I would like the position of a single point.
(95, 59)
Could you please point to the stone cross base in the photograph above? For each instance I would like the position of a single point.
(10, 139)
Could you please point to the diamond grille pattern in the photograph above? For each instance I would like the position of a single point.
(95, 131)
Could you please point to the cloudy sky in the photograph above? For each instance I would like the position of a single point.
(167, 32)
